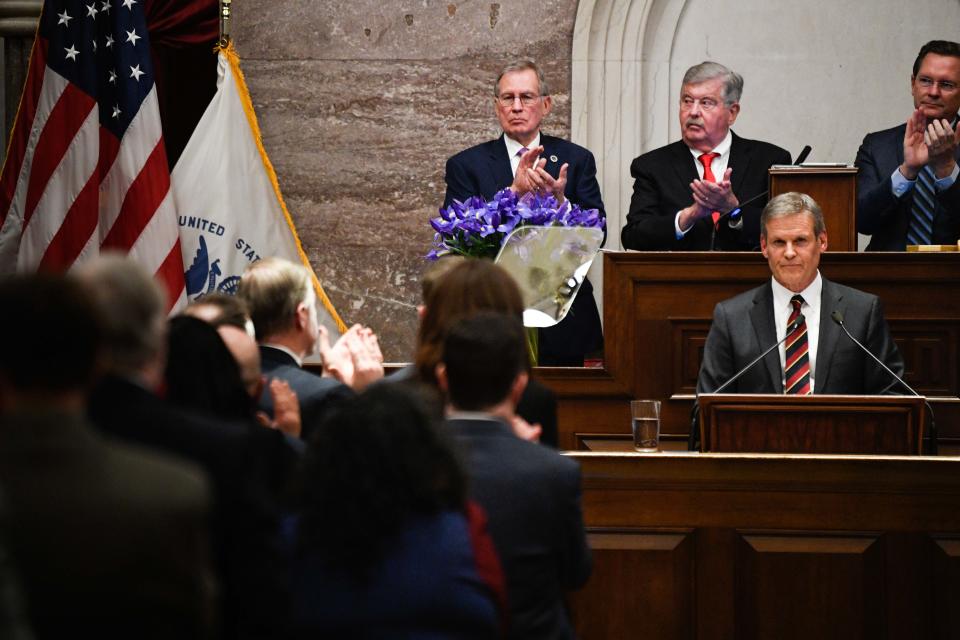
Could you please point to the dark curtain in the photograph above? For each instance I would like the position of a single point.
(183, 34)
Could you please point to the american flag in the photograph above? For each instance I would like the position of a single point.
(86, 168)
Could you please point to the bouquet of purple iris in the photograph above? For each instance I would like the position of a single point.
(476, 228)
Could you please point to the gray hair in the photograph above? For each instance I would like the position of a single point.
(133, 307)
(523, 64)
(706, 70)
(788, 204)
(273, 288)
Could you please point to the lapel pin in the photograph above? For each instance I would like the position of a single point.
(553, 158)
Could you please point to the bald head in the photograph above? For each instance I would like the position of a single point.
(245, 352)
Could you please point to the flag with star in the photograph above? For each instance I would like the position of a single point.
(86, 168)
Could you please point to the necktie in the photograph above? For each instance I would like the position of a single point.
(706, 160)
(519, 154)
(796, 371)
(920, 230)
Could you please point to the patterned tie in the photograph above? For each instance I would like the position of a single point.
(796, 373)
(920, 230)
(706, 160)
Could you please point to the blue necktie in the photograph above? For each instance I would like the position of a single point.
(920, 230)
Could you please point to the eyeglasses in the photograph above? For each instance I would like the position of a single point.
(526, 99)
(945, 85)
(706, 104)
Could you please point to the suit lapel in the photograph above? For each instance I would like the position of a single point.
(761, 316)
(830, 301)
(740, 163)
(684, 164)
(499, 165)
(551, 153)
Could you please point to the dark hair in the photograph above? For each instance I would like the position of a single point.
(379, 460)
(201, 372)
(483, 355)
(231, 310)
(938, 47)
(52, 333)
(472, 286)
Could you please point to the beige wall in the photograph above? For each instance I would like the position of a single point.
(362, 101)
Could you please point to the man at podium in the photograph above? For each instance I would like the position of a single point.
(797, 315)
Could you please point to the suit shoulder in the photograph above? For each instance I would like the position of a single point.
(767, 149)
(467, 155)
(849, 294)
(564, 144)
(886, 136)
(660, 154)
(745, 299)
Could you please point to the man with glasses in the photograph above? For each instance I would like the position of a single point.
(526, 160)
(681, 190)
(907, 191)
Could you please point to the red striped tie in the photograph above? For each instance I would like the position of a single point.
(706, 160)
(796, 372)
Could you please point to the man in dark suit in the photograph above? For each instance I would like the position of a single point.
(816, 358)
(530, 493)
(282, 304)
(525, 160)
(680, 190)
(109, 540)
(907, 187)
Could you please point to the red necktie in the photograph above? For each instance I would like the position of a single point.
(796, 370)
(706, 160)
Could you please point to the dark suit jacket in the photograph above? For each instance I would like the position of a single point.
(246, 517)
(744, 326)
(884, 216)
(532, 498)
(109, 540)
(317, 395)
(483, 170)
(661, 188)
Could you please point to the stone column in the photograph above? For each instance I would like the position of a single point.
(18, 25)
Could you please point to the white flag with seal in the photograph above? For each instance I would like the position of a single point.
(230, 209)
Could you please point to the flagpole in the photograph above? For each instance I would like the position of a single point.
(225, 22)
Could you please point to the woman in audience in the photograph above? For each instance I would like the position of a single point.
(385, 544)
(470, 286)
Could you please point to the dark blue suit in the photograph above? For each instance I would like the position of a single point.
(884, 216)
(485, 169)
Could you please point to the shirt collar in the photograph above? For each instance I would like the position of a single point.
(811, 295)
(286, 350)
(513, 146)
(722, 148)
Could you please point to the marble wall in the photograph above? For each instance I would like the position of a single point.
(360, 103)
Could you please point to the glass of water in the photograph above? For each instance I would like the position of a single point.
(646, 425)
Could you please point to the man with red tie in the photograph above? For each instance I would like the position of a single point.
(680, 190)
(815, 357)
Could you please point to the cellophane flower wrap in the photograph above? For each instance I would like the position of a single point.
(476, 228)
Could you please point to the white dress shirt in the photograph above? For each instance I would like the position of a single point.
(811, 313)
(718, 166)
(513, 147)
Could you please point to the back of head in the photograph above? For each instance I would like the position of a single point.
(220, 309)
(472, 286)
(379, 460)
(52, 334)
(202, 374)
(133, 308)
(483, 355)
(272, 288)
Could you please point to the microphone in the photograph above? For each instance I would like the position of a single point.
(804, 153)
(838, 319)
(695, 412)
(733, 213)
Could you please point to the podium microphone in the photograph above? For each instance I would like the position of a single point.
(838, 319)
(695, 413)
(804, 153)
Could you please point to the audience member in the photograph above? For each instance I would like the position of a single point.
(680, 190)
(525, 159)
(530, 493)
(125, 405)
(907, 187)
(459, 288)
(110, 541)
(386, 545)
(282, 304)
(221, 309)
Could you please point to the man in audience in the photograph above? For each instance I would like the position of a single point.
(282, 304)
(109, 540)
(907, 188)
(221, 309)
(680, 190)
(531, 494)
(816, 358)
(526, 160)
(124, 405)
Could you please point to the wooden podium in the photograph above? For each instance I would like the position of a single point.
(834, 189)
(761, 423)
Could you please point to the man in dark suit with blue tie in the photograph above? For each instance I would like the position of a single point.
(907, 188)
(525, 160)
